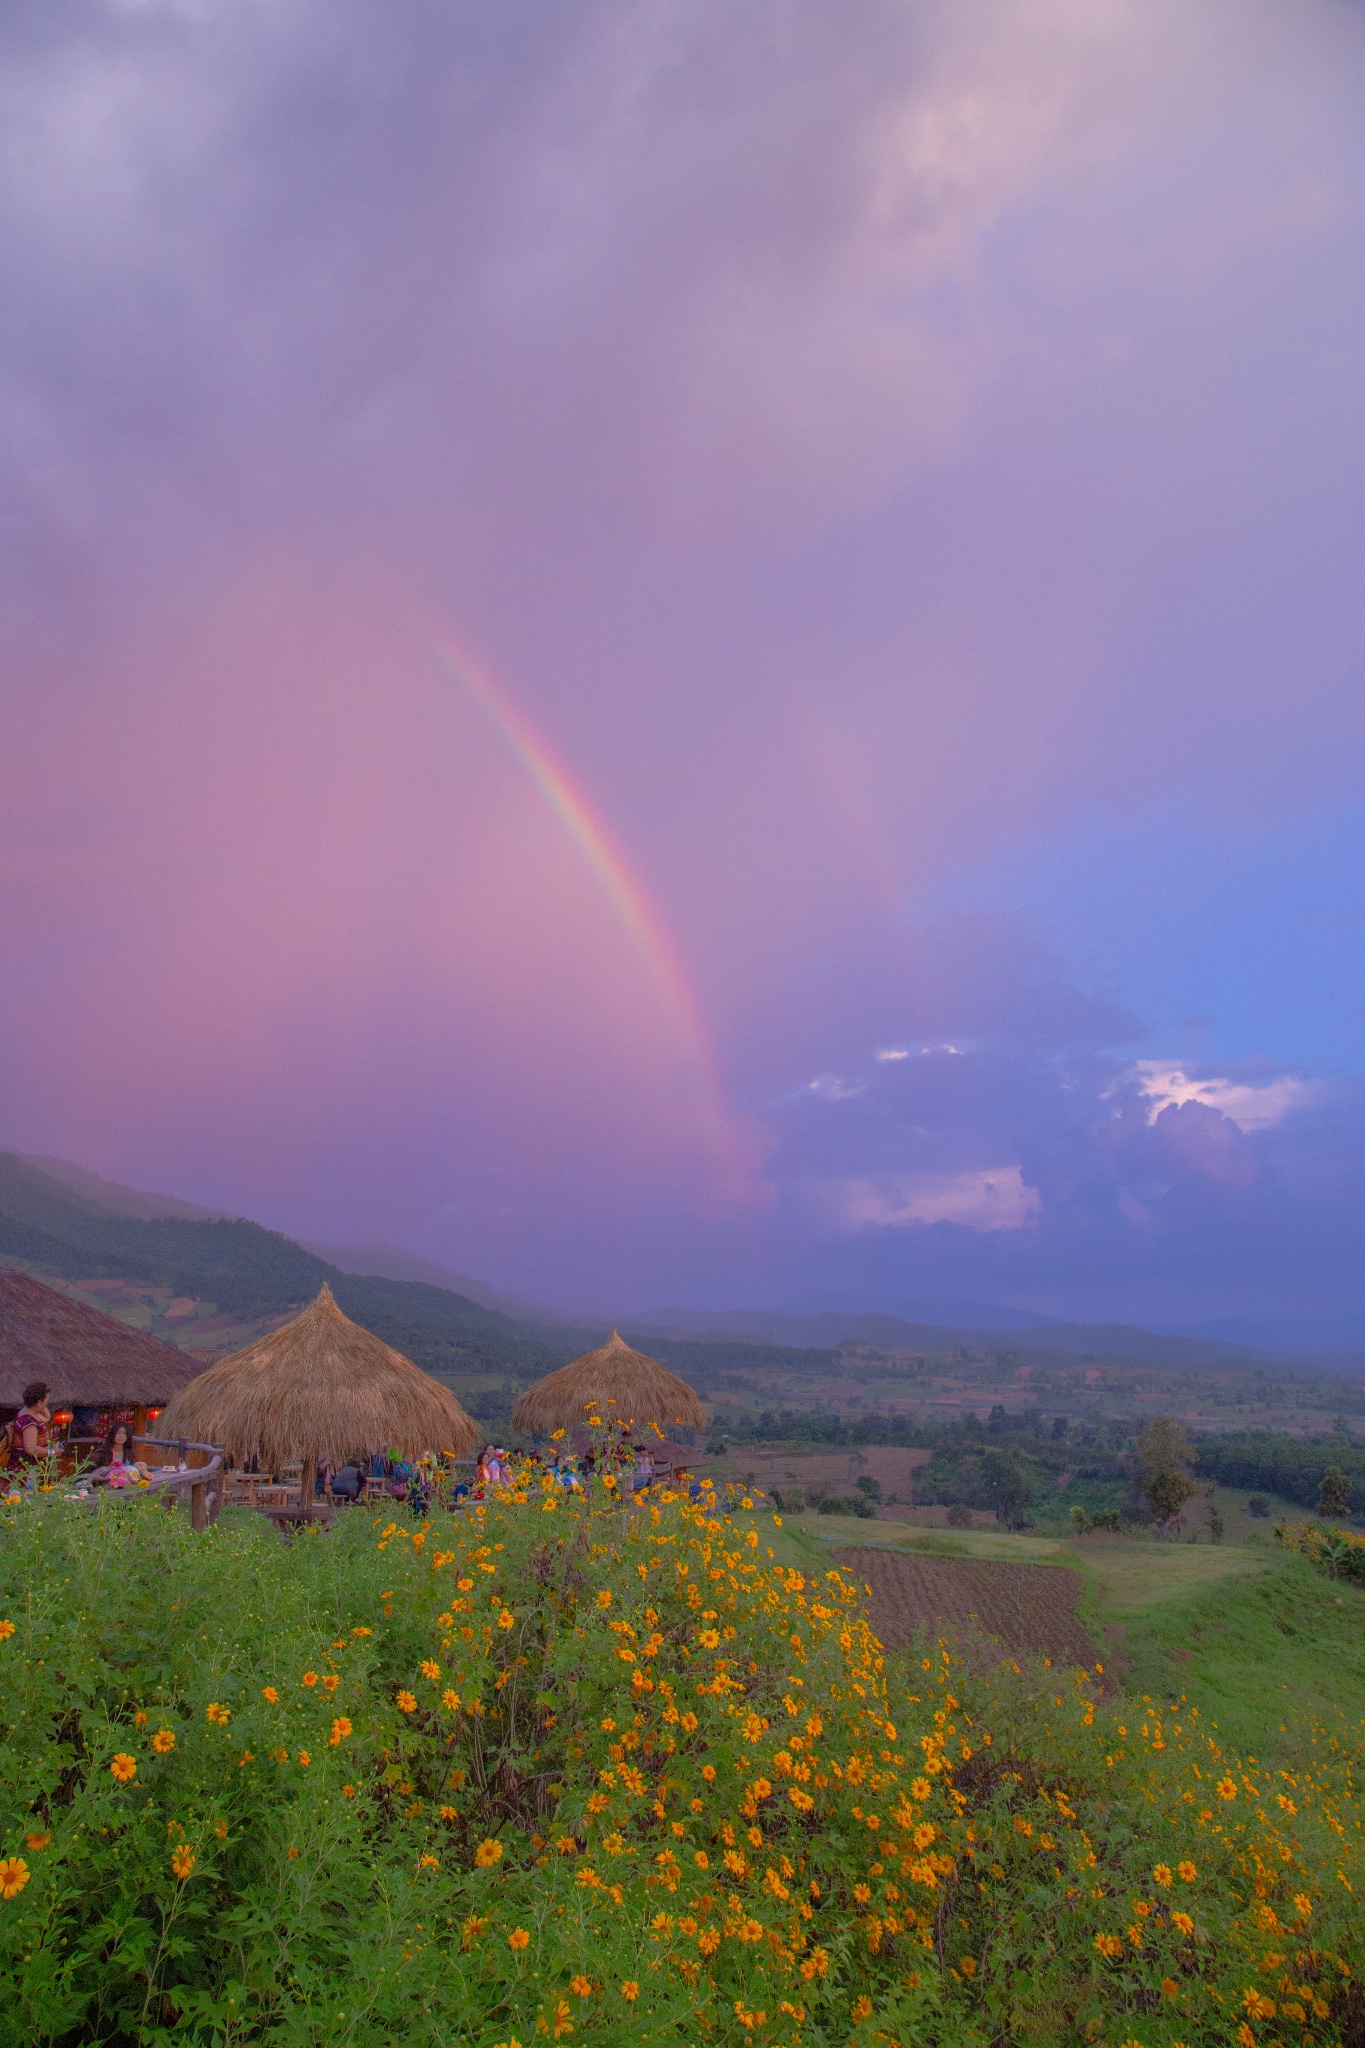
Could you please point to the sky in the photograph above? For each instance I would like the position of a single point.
(691, 656)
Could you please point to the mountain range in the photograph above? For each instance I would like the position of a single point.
(61, 1219)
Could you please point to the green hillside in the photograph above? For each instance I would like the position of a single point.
(234, 1269)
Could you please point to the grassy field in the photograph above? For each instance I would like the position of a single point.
(1243, 1630)
(567, 1769)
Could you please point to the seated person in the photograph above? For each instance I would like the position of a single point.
(117, 1465)
(348, 1483)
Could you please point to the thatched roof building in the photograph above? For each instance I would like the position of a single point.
(88, 1359)
(319, 1387)
(625, 1386)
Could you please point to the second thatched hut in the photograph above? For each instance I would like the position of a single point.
(319, 1388)
(622, 1385)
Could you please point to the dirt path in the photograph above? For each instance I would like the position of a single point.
(1021, 1609)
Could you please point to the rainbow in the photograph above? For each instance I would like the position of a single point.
(637, 915)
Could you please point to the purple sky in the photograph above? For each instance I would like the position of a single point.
(892, 479)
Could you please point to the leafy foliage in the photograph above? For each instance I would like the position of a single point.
(565, 1768)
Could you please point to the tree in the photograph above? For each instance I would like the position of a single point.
(1215, 1520)
(1334, 1494)
(1167, 1493)
(1164, 1458)
(1006, 1485)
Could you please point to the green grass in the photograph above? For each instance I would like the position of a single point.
(1254, 1653)
(1129, 1575)
(997, 1544)
(1251, 1635)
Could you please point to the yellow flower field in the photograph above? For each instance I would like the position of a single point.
(611, 1772)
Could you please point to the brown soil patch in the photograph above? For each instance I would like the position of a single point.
(838, 1471)
(1020, 1609)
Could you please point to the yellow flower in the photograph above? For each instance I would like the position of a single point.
(124, 1767)
(701, 1859)
(450, 1700)
(36, 1841)
(604, 1597)
(268, 1692)
(708, 1772)
(1169, 1987)
(1162, 1875)
(1183, 1922)
(556, 1436)
(305, 1760)
(216, 1715)
(309, 1678)
(341, 1728)
(518, 1938)
(487, 1854)
(1187, 1872)
(405, 1702)
(1108, 1945)
(6, 1631)
(182, 1862)
(447, 1812)
(430, 1862)
(862, 2009)
(1303, 1905)
(630, 1990)
(1226, 1789)
(920, 1788)
(581, 1987)
(14, 1872)
(506, 1620)
(330, 1682)
(163, 1742)
(430, 1669)
(220, 1828)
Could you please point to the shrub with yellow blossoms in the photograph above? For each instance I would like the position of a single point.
(608, 1770)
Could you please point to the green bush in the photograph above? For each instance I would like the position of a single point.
(565, 1769)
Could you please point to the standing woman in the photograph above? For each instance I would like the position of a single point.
(28, 1440)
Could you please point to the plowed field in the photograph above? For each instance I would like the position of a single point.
(1022, 1609)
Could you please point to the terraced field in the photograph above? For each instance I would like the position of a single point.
(1020, 1609)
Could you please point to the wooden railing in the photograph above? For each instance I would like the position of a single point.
(202, 1480)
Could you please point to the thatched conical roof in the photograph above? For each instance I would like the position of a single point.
(88, 1359)
(624, 1386)
(319, 1387)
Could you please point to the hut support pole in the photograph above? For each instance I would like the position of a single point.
(199, 1512)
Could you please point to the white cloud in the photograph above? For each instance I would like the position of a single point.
(834, 1088)
(984, 1198)
(905, 1052)
(1252, 1105)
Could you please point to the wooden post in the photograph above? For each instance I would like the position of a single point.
(198, 1507)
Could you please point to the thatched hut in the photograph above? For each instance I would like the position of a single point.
(98, 1370)
(622, 1385)
(319, 1387)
